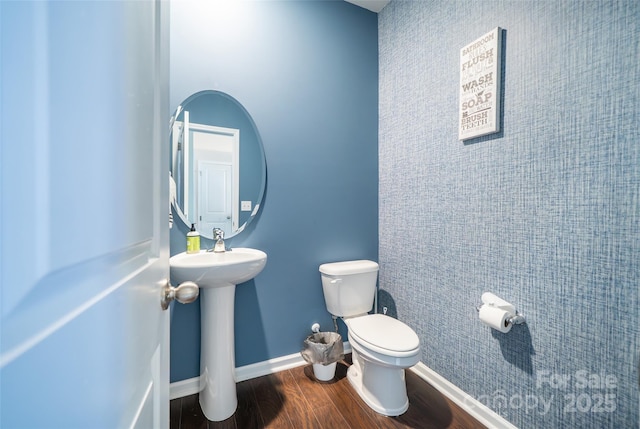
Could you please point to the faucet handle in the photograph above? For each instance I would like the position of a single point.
(218, 234)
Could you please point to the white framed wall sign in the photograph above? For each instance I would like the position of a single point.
(480, 79)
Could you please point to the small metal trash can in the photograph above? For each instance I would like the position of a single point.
(323, 350)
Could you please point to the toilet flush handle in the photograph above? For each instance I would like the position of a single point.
(336, 281)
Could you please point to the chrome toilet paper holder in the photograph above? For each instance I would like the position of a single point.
(493, 301)
(517, 319)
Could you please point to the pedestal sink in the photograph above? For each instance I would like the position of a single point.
(217, 275)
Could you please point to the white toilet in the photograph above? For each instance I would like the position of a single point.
(382, 347)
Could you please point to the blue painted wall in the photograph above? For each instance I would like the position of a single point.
(545, 214)
(307, 72)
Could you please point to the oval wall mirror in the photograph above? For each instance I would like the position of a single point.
(217, 164)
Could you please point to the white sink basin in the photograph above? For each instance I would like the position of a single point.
(210, 269)
(217, 275)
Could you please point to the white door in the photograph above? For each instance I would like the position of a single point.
(214, 199)
(216, 154)
(84, 215)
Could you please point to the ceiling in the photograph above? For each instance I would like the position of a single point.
(373, 5)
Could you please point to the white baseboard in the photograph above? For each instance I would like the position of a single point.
(475, 408)
(181, 388)
(192, 385)
(472, 406)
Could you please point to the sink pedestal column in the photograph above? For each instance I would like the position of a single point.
(218, 397)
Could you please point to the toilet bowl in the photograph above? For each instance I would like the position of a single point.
(382, 347)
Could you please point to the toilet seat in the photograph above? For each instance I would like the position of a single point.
(384, 334)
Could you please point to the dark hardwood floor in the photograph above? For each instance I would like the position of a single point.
(293, 399)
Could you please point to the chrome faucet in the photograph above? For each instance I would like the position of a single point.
(218, 236)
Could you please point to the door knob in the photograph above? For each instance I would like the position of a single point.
(185, 293)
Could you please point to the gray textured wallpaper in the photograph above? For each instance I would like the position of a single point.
(545, 214)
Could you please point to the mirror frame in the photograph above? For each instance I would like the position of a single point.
(263, 177)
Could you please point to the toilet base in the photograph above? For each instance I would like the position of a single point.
(382, 388)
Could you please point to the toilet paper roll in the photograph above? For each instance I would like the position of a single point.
(494, 301)
(495, 318)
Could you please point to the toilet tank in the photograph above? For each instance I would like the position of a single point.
(349, 287)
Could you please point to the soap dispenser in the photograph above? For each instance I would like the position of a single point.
(193, 240)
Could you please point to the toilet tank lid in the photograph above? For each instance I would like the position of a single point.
(348, 267)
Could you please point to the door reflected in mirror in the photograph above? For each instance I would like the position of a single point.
(217, 164)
